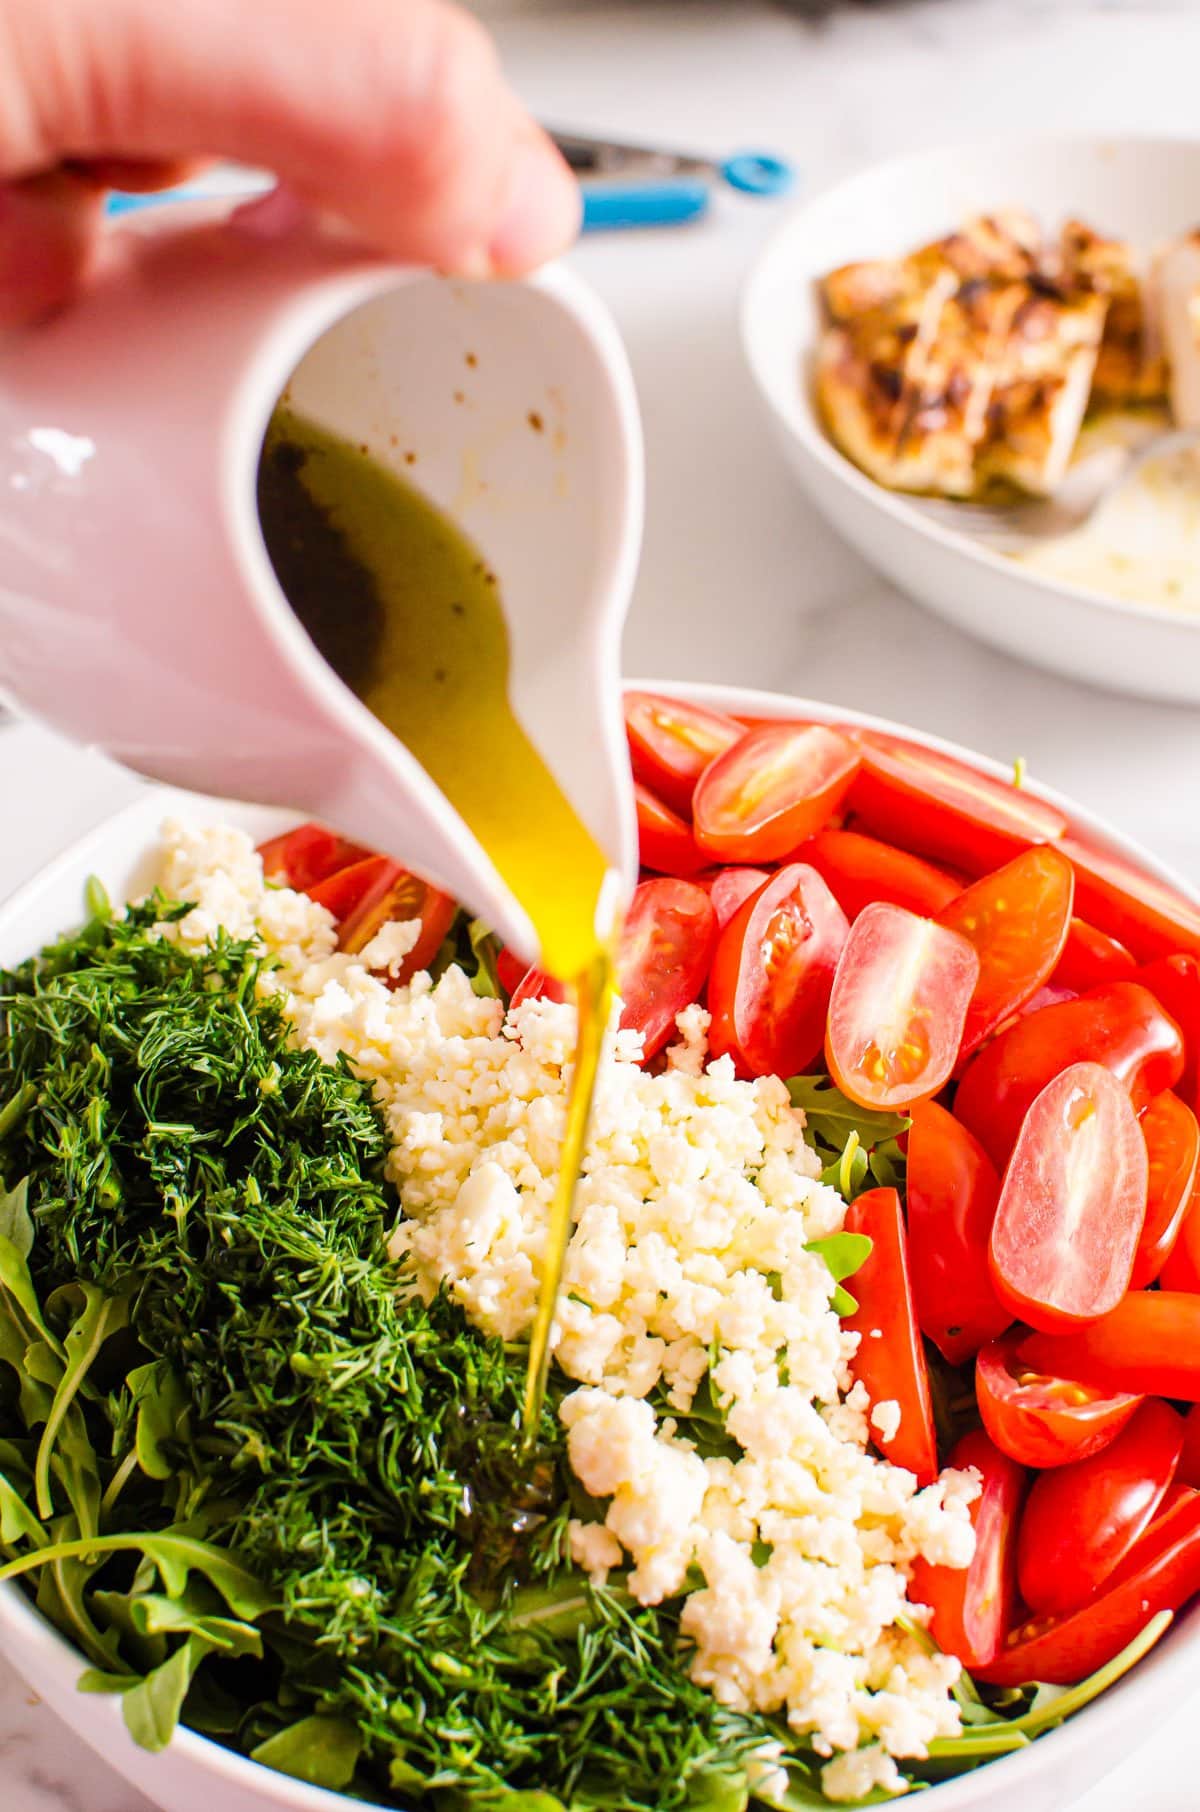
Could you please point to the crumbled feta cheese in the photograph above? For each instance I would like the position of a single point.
(885, 1419)
(688, 1262)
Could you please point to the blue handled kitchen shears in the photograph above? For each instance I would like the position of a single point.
(633, 185)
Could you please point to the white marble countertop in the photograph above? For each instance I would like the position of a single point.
(740, 579)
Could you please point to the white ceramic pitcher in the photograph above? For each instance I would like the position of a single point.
(138, 608)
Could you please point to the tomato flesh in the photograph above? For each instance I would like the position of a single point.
(952, 1190)
(974, 1606)
(1173, 1148)
(891, 1367)
(1082, 1520)
(1017, 920)
(671, 742)
(939, 807)
(665, 842)
(1120, 1026)
(1147, 915)
(772, 974)
(1072, 1203)
(760, 799)
(899, 1001)
(302, 857)
(1189, 1459)
(731, 888)
(1090, 958)
(1149, 1343)
(1160, 1574)
(663, 960)
(860, 870)
(1039, 1418)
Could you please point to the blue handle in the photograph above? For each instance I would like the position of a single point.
(758, 173)
(127, 202)
(607, 204)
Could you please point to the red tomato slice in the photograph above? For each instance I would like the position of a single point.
(1181, 1267)
(890, 1361)
(1121, 1026)
(1072, 1203)
(773, 972)
(1173, 1147)
(671, 743)
(860, 870)
(899, 1001)
(1149, 1343)
(1082, 1520)
(1189, 1459)
(1160, 1574)
(664, 841)
(369, 894)
(1149, 916)
(666, 948)
(974, 1607)
(535, 984)
(310, 853)
(952, 1189)
(731, 888)
(942, 808)
(1090, 958)
(771, 790)
(1174, 982)
(1017, 920)
(511, 969)
(1039, 1418)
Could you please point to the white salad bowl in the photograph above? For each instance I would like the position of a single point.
(194, 1774)
(1144, 190)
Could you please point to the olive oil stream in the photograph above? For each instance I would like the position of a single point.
(403, 607)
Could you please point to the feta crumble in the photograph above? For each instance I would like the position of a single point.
(688, 1267)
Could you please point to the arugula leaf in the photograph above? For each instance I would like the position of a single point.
(99, 1317)
(832, 1117)
(844, 1253)
(16, 1225)
(321, 1750)
(152, 1706)
(485, 948)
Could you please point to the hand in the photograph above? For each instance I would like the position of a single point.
(393, 114)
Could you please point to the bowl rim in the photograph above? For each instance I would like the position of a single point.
(803, 424)
(1139, 1693)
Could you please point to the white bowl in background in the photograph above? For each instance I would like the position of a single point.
(195, 1774)
(1140, 189)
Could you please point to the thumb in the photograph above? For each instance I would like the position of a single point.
(393, 114)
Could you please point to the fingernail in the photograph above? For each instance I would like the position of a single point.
(541, 213)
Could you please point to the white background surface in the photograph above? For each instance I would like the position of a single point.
(740, 580)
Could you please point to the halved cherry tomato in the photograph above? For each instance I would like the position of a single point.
(771, 790)
(1072, 1203)
(1017, 920)
(666, 948)
(1082, 1520)
(861, 869)
(1148, 915)
(1189, 1459)
(1160, 1574)
(731, 888)
(1173, 1147)
(1049, 996)
(671, 742)
(1039, 1417)
(535, 984)
(772, 974)
(369, 894)
(310, 853)
(951, 1195)
(1121, 1026)
(1090, 958)
(1181, 1267)
(973, 1607)
(890, 1361)
(511, 969)
(896, 1014)
(1149, 1343)
(1174, 982)
(665, 842)
(941, 808)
